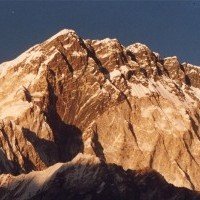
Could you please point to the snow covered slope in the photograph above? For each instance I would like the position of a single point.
(124, 105)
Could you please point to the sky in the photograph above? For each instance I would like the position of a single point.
(168, 27)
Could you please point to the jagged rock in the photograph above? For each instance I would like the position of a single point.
(86, 177)
(123, 105)
(143, 55)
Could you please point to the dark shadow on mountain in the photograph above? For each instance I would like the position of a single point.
(105, 72)
(166, 71)
(12, 166)
(6, 165)
(67, 145)
(100, 182)
(182, 68)
(14, 163)
(124, 59)
(28, 164)
(195, 126)
(131, 55)
(71, 70)
(187, 80)
(97, 147)
(142, 70)
(91, 53)
(47, 150)
(161, 61)
(68, 138)
(27, 94)
(159, 71)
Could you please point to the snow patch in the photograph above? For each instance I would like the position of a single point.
(60, 33)
(196, 91)
(27, 56)
(147, 112)
(106, 40)
(172, 57)
(192, 66)
(51, 57)
(29, 77)
(137, 48)
(66, 46)
(124, 69)
(15, 110)
(77, 54)
(138, 90)
(115, 73)
(33, 56)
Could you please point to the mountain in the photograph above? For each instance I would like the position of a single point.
(87, 177)
(82, 112)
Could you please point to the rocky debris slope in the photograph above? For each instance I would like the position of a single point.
(126, 106)
(86, 177)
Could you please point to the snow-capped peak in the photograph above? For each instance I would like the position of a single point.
(60, 33)
(138, 47)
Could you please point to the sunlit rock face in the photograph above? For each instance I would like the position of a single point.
(125, 106)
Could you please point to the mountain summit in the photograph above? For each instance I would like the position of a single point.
(85, 119)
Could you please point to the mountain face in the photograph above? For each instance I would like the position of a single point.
(110, 119)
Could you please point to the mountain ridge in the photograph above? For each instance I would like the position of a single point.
(123, 105)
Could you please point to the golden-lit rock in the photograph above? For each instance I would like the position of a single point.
(123, 105)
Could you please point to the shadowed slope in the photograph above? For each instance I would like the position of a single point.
(124, 105)
(86, 177)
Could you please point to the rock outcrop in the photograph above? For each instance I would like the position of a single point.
(126, 106)
(86, 177)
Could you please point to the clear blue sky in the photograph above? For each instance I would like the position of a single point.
(168, 27)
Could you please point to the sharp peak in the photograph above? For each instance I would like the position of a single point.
(135, 47)
(25, 54)
(62, 33)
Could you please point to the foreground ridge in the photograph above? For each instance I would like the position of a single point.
(86, 177)
(123, 105)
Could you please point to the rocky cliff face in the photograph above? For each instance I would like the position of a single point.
(124, 106)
